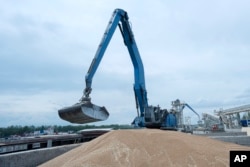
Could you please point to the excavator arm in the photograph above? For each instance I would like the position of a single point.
(120, 19)
(85, 111)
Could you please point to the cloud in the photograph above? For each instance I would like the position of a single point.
(194, 51)
(243, 97)
(35, 108)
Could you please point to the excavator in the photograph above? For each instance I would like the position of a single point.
(147, 115)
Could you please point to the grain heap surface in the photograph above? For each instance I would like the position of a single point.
(148, 147)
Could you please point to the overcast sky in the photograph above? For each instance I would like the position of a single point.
(196, 51)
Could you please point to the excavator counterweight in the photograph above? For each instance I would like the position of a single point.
(83, 112)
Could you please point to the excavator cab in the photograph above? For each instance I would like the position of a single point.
(83, 112)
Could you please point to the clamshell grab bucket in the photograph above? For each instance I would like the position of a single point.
(83, 112)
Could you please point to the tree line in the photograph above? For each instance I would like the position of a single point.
(23, 130)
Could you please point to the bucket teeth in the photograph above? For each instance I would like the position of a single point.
(83, 112)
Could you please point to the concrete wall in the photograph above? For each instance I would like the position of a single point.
(242, 140)
(33, 157)
(246, 129)
(233, 137)
(223, 134)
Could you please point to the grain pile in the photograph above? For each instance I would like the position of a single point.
(147, 147)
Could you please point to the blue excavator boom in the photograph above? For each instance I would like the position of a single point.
(77, 113)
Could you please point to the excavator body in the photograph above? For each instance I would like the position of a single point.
(147, 115)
